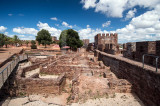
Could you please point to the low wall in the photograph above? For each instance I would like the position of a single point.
(38, 85)
(146, 82)
(69, 70)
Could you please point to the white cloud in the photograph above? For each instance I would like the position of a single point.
(148, 19)
(22, 30)
(106, 24)
(52, 30)
(131, 14)
(10, 14)
(54, 18)
(141, 28)
(2, 28)
(88, 26)
(89, 33)
(115, 8)
(88, 3)
(26, 37)
(66, 24)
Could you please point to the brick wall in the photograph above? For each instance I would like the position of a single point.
(107, 43)
(158, 48)
(69, 70)
(129, 50)
(146, 82)
(148, 47)
(38, 85)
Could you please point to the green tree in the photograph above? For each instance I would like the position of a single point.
(44, 37)
(33, 42)
(2, 39)
(63, 38)
(16, 40)
(7, 41)
(27, 42)
(20, 42)
(33, 46)
(70, 38)
(11, 40)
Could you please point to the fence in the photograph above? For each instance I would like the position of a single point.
(4, 74)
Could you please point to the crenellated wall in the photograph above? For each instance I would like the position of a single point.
(146, 82)
(107, 42)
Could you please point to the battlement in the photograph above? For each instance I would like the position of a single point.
(107, 42)
(103, 35)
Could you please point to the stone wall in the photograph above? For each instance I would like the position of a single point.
(32, 85)
(129, 50)
(136, 50)
(90, 47)
(158, 48)
(70, 71)
(145, 48)
(146, 82)
(107, 43)
(85, 42)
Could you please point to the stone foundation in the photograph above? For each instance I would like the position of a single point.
(146, 82)
(36, 85)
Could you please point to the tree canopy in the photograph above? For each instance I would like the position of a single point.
(44, 37)
(2, 39)
(27, 42)
(16, 40)
(70, 38)
(6, 40)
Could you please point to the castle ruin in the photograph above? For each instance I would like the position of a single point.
(107, 42)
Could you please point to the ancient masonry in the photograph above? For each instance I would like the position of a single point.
(79, 68)
(90, 47)
(85, 41)
(107, 43)
(136, 50)
(145, 81)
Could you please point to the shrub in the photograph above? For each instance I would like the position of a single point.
(33, 46)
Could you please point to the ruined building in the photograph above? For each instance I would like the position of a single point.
(136, 50)
(85, 42)
(107, 43)
(90, 47)
(129, 50)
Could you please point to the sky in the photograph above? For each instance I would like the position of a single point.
(133, 20)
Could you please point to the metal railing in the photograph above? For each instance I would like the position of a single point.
(4, 74)
(151, 56)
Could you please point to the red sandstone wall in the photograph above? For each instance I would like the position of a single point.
(146, 83)
(38, 85)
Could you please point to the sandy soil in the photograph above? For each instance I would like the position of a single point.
(7, 52)
(25, 64)
(41, 57)
(48, 76)
(30, 73)
(120, 99)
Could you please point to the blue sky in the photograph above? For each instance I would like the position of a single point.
(133, 20)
